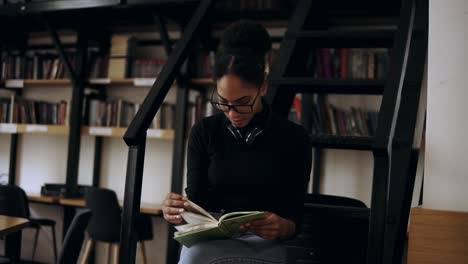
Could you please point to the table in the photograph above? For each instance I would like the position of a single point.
(11, 228)
(145, 208)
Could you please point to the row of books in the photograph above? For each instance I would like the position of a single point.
(21, 111)
(48, 66)
(119, 113)
(201, 64)
(346, 63)
(147, 68)
(331, 120)
(32, 66)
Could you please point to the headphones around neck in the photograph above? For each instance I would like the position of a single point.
(249, 136)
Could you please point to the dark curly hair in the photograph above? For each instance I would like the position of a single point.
(242, 52)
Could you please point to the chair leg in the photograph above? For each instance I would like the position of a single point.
(108, 253)
(54, 240)
(116, 250)
(36, 237)
(87, 252)
(143, 252)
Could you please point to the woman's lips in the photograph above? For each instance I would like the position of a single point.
(237, 122)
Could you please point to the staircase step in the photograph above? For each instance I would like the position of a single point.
(346, 38)
(341, 142)
(312, 85)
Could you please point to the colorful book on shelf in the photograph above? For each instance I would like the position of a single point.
(202, 226)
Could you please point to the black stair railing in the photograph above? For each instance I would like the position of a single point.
(382, 149)
(135, 137)
(404, 148)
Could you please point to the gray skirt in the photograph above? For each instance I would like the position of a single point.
(246, 249)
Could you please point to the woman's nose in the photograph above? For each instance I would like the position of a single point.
(233, 114)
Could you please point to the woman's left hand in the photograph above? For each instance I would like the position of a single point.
(272, 227)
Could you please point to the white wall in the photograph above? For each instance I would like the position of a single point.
(446, 167)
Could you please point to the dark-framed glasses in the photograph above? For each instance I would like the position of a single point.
(239, 108)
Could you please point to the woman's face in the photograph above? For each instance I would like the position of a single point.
(234, 91)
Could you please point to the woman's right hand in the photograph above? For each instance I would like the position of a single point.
(172, 207)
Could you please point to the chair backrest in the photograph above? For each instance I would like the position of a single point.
(13, 201)
(106, 219)
(325, 199)
(73, 240)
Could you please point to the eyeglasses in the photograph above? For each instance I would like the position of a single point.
(239, 108)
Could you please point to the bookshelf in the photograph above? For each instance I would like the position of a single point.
(134, 82)
(116, 132)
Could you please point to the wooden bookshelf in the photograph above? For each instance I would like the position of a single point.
(21, 83)
(48, 82)
(203, 81)
(33, 129)
(164, 134)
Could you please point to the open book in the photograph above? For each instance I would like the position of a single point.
(203, 226)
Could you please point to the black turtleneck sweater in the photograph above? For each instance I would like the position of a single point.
(225, 175)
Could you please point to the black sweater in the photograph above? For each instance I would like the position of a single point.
(225, 175)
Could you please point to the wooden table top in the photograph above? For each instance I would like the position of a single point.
(145, 208)
(9, 224)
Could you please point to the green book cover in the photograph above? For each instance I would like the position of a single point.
(201, 226)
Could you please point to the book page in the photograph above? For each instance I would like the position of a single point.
(182, 229)
(196, 219)
(195, 208)
(234, 214)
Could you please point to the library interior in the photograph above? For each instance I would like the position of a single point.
(233, 131)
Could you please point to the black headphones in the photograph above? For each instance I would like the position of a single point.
(254, 131)
(249, 136)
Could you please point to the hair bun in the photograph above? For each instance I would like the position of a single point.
(246, 37)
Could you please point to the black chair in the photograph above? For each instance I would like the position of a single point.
(14, 202)
(334, 230)
(106, 220)
(74, 238)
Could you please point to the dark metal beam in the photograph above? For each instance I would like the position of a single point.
(74, 140)
(384, 133)
(13, 159)
(178, 161)
(404, 157)
(317, 172)
(59, 47)
(97, 161)
(135, 163)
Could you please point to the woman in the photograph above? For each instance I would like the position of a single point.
(244, 158)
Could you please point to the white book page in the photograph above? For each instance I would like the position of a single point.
(196, 219)
(193, 227)
(195, 208)
(234, 214)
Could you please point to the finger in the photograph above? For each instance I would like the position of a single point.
(174, 220)
(262, 222)
(264, 228)
(174, 203)
(172, 210)
(175, 196)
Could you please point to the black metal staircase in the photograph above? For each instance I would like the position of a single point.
(392, 146)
